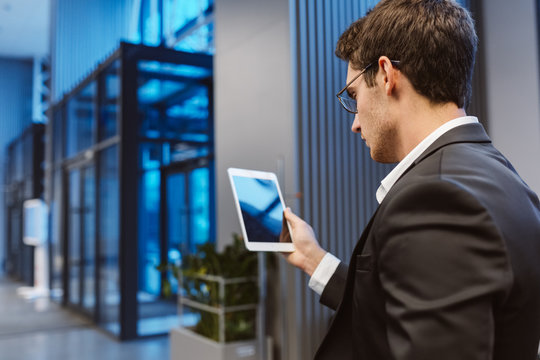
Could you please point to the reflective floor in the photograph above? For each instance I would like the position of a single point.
(41, 330)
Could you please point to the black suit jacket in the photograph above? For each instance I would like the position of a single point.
(449, 265)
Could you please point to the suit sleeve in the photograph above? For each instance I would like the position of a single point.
(442, 266)
(334, 289)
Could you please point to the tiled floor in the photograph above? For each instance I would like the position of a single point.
(41, 330)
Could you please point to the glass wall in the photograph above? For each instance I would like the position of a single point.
(23, 181)
(132, 185)
(84, 201)
(175, 160)
(149, 215)
(88, 240)
(81, 239)
(108, 111)
(181, 25)
(80, 127)
(55, 244)
(73, 239)
(108, 237)
(108, 285)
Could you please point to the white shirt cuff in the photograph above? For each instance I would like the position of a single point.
(322, 274)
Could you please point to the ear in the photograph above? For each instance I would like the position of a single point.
(390, 75)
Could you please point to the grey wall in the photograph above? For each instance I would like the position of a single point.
(254, 125)
(254, 128)
(511, 44)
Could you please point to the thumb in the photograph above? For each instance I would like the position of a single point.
(291, 217)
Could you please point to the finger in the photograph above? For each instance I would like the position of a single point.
(291, 217)
(284, 236)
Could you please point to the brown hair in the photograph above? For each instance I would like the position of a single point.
(434, 40)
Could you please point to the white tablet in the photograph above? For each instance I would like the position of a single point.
(260, 208)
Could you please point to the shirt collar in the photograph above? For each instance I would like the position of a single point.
(403, 165)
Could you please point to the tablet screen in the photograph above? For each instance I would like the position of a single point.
(261, 207)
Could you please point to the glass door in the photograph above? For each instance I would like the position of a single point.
(88, 238)
(182, 191)
(187, 213)
(74, 237)
(81, 238)
(177, 221)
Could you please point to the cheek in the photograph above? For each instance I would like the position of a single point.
(363, 108)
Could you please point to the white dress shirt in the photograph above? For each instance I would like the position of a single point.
(329, 263)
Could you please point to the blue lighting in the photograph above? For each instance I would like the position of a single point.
(154, 90)
(190, 71)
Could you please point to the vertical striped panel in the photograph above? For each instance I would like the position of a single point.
(83, 34)
(15, 116)
(337, 176)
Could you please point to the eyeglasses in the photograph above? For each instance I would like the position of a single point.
(348, 102)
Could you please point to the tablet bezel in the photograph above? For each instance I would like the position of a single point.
(256, 245)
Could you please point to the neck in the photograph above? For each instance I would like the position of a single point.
(422, 121)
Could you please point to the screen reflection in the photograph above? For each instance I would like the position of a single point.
(261, 208)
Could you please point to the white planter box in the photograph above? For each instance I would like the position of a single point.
(210, 299)
(186, 345)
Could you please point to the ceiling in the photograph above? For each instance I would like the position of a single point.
(24, 28)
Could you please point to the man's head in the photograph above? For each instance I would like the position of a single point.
(434, 41)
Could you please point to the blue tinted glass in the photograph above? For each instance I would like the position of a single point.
(172, 103)
(178, 232)
(80, 120)
(188, 26)
(56, 246)
(149, 69)
(187, 117)
(109, 102)
(181, 152)
(151, 19)
(149, 241)
(200, 40)
(18, 161)
(149, 156)
(155, 91)
(57, 139)
(261, 207)
(109, 279)
(74, 238)
(200, 205)
(89, 240)
(182, 12)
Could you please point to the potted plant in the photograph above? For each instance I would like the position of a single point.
(219, 292)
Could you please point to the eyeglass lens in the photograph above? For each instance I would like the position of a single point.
(348, 103)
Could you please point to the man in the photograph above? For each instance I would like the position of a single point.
(449, 265)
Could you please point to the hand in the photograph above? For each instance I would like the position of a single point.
(307, 254)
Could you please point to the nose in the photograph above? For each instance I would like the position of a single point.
(355, 128)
